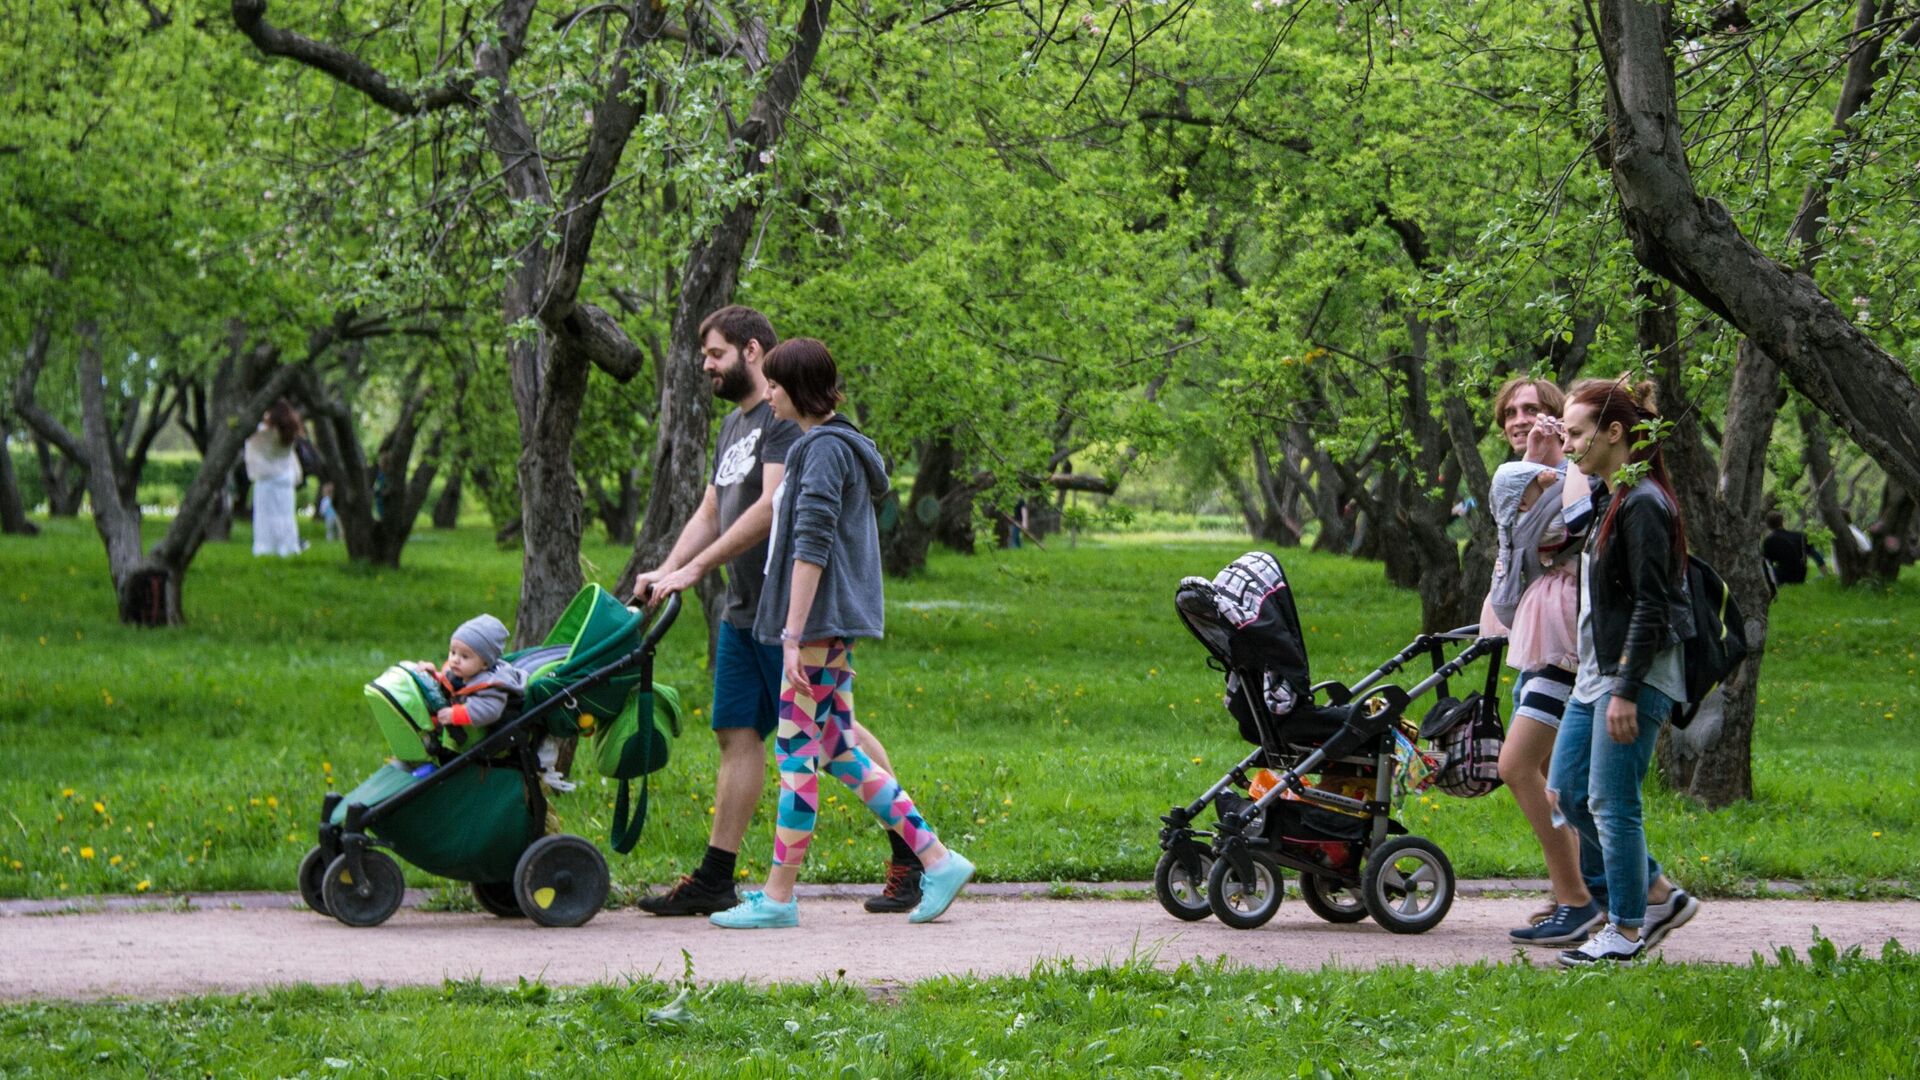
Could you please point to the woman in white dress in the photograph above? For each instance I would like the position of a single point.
(275, 471)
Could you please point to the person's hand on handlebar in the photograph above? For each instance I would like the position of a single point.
(646, 589)
(665, 585)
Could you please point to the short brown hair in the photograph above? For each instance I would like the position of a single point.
(804, 369)
(739, 325)
(1551, 397)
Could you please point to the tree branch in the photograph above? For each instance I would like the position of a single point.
(344, 67)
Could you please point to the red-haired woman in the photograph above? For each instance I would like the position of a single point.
(274, 469)
(1633, 618)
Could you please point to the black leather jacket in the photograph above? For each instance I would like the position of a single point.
(1637, 588)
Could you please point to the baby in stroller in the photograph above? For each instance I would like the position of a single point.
(478, 684)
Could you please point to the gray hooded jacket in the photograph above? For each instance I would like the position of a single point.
(823, 513)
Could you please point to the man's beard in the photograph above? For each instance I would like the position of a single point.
(734, 384)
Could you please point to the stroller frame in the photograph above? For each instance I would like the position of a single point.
(1370, 708)
(351, 843)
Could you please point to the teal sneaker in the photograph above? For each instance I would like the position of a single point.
(939, 885)
(756, 912)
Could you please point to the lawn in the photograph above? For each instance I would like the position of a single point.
(1836, 1016)
(1043, 707)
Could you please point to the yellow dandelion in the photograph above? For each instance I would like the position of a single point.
(18, 865)
(272, 801)
(1196, 761)
(99, 807)
(143, 885)
(85, 852)
(326, 766)
(66, 793)
(1876, 836)
(115, 861)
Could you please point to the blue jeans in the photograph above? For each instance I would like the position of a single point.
(1597, 784)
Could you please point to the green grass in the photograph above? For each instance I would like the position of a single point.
(1838, 1016)
(1042, 707)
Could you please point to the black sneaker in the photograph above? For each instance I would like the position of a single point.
(1566, 926)
(1609, 946)
(901, 894)
(1668, 916)
(690, 896)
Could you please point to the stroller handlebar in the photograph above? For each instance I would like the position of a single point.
(669, 611)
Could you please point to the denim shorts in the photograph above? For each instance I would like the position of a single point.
(746, 682)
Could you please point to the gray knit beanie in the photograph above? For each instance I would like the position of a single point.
(485, 635)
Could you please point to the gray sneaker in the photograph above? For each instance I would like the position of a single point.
(1666, 917)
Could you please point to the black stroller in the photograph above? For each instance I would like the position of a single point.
(1337, 834)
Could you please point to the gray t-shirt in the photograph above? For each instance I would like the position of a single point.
(750, 440)
(1667, 675)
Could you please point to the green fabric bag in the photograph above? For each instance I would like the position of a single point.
(627, 750)
(472, 826)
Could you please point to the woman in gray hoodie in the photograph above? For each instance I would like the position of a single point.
(822, 593)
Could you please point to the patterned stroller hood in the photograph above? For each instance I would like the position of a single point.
(1245, 616)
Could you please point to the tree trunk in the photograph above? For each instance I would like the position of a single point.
(446, 508)
(551, 520)
(1711, 761)
(1693, 242)
(1889, 536)
(374, 539)
(903, 547)
(1848, 560)
(13, 513)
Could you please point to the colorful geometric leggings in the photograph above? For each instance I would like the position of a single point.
(816, 723)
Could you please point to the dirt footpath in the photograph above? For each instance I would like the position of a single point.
(166, 954)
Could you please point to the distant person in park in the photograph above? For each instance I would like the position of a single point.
(274, 469)
(823, 593)
(1787, 552)
(1633, 621)
(730, 529)
(1533, 600)
(329, 513)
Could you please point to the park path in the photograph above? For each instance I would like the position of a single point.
(158, 954)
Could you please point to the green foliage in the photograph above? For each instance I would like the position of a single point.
(1043, 708)
(1843, 1014)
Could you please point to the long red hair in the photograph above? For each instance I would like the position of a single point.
(1615, 402)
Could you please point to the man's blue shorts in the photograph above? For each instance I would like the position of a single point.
(746, 682)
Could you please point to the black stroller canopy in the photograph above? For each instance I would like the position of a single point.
(1246, 618)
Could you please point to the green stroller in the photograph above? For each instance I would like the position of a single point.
(477, 813)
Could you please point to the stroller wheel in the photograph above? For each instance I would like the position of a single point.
(1182, 893)
(313, 874)
(1331, 900)
(1408, 886)
(496, 897)
(1245, 905)
(561, 881)
(386, 887)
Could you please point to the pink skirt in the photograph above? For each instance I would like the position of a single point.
(1545, 623)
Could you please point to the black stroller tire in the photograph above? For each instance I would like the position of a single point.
(1246, 905)
(496, 898)
(1408, 885)
(387, 887)
(1332, 901)
(1183, 895)
(313, 874)
(561, 881)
